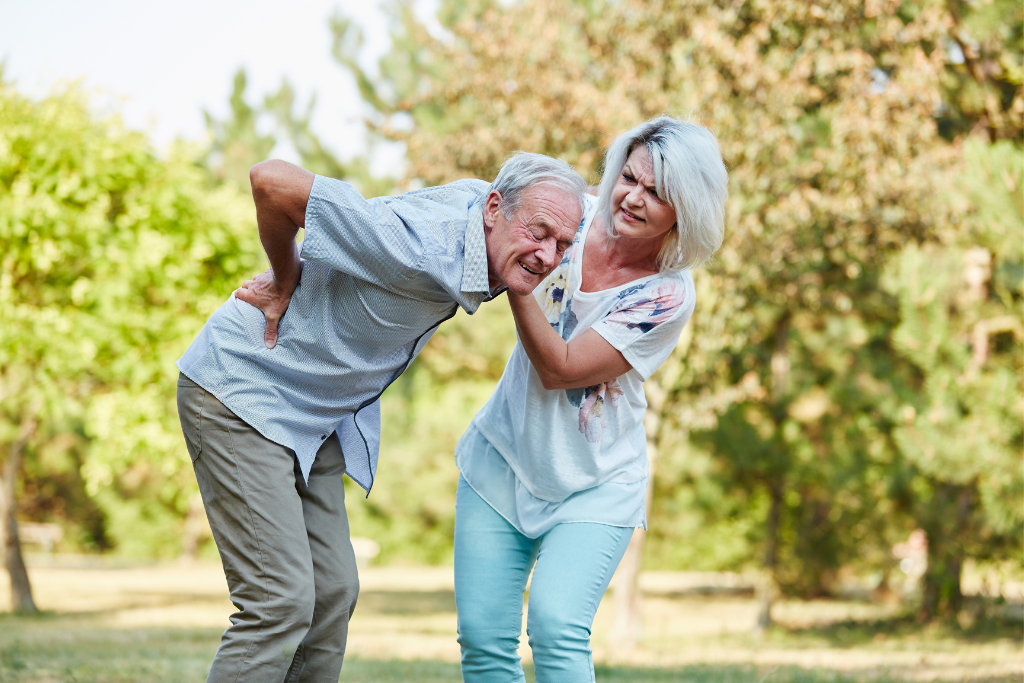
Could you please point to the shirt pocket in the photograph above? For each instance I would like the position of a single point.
(191, 397)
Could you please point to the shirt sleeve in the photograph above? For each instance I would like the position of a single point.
(364, 238)
(646, 320)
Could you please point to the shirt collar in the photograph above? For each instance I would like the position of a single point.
(474, 273)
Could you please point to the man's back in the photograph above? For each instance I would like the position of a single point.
(350, 329)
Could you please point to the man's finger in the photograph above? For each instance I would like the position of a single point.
(270, 336)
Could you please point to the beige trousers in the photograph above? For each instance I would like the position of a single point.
(284, 545)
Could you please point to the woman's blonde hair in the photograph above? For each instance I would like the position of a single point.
(689, 174)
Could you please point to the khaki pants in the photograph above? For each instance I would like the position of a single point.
(284, 545)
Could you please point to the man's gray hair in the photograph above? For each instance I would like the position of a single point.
(524, 170)
(689, 174)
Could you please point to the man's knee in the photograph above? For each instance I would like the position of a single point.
(339, 598)
(290, 611)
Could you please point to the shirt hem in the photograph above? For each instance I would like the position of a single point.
(568, 521)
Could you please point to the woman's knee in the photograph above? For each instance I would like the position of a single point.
(552, 626)
(481, 632)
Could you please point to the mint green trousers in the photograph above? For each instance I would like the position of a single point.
(572, 566)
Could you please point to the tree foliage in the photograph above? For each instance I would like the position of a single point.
(961, 328)
(783, 432)
(853, 369)
(112, 259)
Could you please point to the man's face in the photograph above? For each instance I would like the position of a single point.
(522, 250)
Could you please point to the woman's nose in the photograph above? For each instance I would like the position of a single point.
(635, 195)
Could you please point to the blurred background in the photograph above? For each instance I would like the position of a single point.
(841, 425)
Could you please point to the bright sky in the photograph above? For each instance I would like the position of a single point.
(170, 61)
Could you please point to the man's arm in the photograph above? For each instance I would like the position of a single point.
(280, 191)
(585, 361)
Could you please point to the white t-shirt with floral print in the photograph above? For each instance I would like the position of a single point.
(540, 456)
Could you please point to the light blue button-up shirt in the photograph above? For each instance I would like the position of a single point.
(378, 277)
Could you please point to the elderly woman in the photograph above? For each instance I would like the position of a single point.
(554, 466)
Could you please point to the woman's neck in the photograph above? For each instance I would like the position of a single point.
(614, 261)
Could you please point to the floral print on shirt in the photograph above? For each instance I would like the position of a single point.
(553, 301)
(647, 305)
(591, 402)
(642, 306)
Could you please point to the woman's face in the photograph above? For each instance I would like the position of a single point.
(637, 212)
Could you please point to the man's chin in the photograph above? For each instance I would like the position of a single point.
(523, 286)
(520, 288)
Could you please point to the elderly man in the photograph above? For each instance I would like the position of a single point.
(276, 408)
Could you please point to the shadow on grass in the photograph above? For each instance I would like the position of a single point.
(398, 603)
(406, 602)
(851, 633)
(702, 673)
(360, 671)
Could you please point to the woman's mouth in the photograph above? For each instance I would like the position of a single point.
(630, 216)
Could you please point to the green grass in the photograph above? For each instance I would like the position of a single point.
(37, 653)
(53, 648)
(704, 673)
(902, 630)
(43, 650)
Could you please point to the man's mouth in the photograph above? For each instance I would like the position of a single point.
(631, 215)
(527, 269)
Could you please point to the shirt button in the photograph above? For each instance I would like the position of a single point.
(323, 437)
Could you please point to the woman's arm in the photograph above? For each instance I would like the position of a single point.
(585, 361)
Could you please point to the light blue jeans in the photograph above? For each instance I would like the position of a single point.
(574, 564)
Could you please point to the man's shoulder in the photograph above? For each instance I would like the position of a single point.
(470, 185)
(460, 193)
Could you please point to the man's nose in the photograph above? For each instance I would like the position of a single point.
(547, 254)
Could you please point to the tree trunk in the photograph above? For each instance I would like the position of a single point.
(780, 367)
(767, 590)
(21, 589)
(941, 594)
(628, 625)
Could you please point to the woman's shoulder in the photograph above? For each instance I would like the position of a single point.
(654, 301)
(667, 286)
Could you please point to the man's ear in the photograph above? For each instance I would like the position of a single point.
(491, 208)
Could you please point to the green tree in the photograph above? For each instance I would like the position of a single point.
(112, 259)
(961, 326)
(982, 82)
(780, 424)
(236, 143)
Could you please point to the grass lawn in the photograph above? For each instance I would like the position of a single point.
(162, 623)
(58, 649)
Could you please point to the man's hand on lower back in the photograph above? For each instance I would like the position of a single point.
(265, 293)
